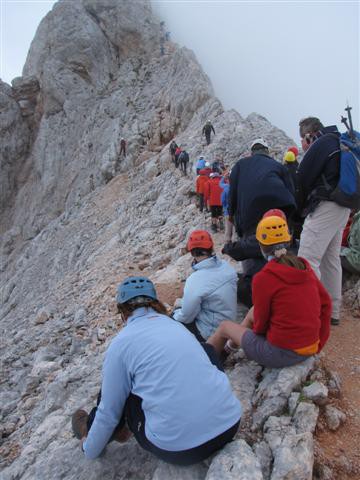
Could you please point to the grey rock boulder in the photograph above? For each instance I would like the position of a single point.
(305, 417)
(317, 392)
(334, 417)
(236, 461)
(166, 471)
(294, 458)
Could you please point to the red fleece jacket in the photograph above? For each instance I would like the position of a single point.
(213, 191)
(291, 307)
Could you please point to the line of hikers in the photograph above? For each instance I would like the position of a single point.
(163, 379)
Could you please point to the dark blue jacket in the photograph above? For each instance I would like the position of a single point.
(321, 161)
(258, 183)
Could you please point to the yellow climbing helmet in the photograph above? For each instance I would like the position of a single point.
(272, 230)
(289, 157)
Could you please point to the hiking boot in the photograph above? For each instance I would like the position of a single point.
(121, 435)
(335, 321)
(79, 424)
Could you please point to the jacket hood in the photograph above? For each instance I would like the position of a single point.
(289, 275)
(330, 129)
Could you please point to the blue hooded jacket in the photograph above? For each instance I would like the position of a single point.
(200, 164)
(209, 296)
(225, 196)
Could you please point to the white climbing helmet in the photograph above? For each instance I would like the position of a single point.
(259, 141)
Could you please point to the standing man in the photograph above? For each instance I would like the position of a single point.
(257, 183)
(122, 147)
(318, 175)
(207, 131)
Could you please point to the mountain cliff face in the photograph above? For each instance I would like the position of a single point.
(94, 74)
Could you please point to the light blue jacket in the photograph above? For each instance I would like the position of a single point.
(209, 296)
(186, 399)
(200, 163)
(225, 196)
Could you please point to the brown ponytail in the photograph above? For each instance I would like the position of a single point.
(126, 309)
(291, 260)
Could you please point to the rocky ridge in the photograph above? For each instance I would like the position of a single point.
(85, 86)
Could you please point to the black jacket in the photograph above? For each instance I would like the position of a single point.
(321, 162)
(246, 250)
(258, 183)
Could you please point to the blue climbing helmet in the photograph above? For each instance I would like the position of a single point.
(133, 287)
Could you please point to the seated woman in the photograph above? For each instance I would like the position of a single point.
(210, 291)
(178, 416)
(290, 319)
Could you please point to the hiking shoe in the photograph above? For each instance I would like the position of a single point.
(335, 321)
(79, 424)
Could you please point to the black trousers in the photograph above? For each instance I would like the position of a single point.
(135, 419)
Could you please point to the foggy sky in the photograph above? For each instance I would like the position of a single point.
(283, 60)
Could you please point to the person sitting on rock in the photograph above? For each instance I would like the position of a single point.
(146, 388)
(210, 291)
(290, 319)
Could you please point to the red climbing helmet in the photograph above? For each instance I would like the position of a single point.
(200, 239)
(275, 212)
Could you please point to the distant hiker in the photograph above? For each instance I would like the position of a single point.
(177, 154)
(207, 169)
(208, 127)
(122, 147)
(318, 175)
(210, 291)
(200, 164)
(212, 196)
(290, 320)
(91, 183)
(184, 161)
(201, 181)
(350, 255)
(257, 183)
(224, 184)
(172, 149)
(160, 384)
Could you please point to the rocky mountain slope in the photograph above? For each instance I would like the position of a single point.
(94, 74)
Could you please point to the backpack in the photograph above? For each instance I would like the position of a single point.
(347, 191)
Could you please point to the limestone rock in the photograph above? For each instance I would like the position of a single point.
(276, 429)
(165, 471)
(264, 455)
(305, 417)
(294, 458)
(334, 417)
(274, 390)
(317, 392)
(235, 462)
(293, 401)
(334, 384)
